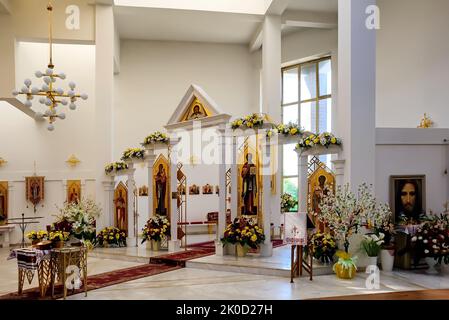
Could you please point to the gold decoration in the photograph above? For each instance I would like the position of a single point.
(121, 207)
(2, 161)
(161, 186)
(73, 191)
(196, 110)
(425, 122)
(73, 161)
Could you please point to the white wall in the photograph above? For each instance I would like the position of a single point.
(155, 75)
(412, 62)
(25, 141)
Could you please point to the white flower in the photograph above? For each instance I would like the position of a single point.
(426, 251)
(414, 239)
(434, 240)
(425, 241)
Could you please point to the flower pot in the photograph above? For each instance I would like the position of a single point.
(241, 250)
(149, 244)
(344, 273)
(58, 244)
(230, 249)
(155, 245)
(444, 268)
(372, 261)
(387, 259)
(431, 262)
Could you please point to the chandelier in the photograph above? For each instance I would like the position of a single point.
(50, 95)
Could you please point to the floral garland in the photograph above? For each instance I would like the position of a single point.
(131, 153)
(324, 139)
(111, 236)
(290, 129)
(155, 137)
(287, 202)
(157, 228)
(244, 232)
(115, 166)
(251, 121)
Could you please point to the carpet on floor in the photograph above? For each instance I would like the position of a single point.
(437, 294)
(96, 281)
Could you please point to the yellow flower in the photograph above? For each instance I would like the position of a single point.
(334, 140)
(307, 142)
(293, 131)
(254, 238)
(239, 122)
(117, 236)
(316, 140)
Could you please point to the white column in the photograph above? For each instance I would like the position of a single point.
(266, 249)
(234, 177)
(150, 163)
(356, 91)
(103, 95)
(11, 209)
(173, 244)
(108, 200)
(83, 188)
(271, 67)
(302, 183)
(64, 191)
(339, 168)
(131, 239)
(221, 225)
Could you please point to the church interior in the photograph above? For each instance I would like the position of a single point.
(227, 149)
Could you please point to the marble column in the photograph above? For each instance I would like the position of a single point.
(173, 244)
(302, 183)
(108, 190)
(266, 249)
(356, 91)
(221, 225)
(339, 168)
(271, 67)
(234, 177)
(131, 239)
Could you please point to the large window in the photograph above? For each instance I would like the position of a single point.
(307, 101)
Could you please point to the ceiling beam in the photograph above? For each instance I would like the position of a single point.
(257, 39)
(20, 106)
(308, 19)
(277, 7)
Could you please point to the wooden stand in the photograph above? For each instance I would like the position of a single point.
(298, 263)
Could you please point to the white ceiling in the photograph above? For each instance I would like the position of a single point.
(185, 25)
(313, 5)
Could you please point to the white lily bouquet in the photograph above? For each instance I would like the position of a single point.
(372, 244)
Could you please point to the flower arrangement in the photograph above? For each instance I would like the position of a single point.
(372, 244)
(432, 239)
(290, 129)
(324, 139)
(323, 247)
(133, 153)
(245, 232)
(155, 137)
(157, 228)
(37, 235)
(251, 121)
(115, 166)
(346, 266)
(58, 236)
(111, 236)
(78, 219)
(287, 202)
(345, 212)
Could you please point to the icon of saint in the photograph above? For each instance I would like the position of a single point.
(249, 186)
(161, 188)
(120, 211)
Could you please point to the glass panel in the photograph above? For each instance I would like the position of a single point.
(290, 85)
(308, 82)
(290, 114)
(325, 77)
(290, 186)
(290, 166)
(325, 114)
(308, 116)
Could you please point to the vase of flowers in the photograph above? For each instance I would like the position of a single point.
(288, 202)
(245, 234)
(323, 247)
(58, 237)
(156, 229)
(111, 237)
(345, 267)
(37, 236)
(372, 245)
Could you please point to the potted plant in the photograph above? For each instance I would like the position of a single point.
(345, 267)
(288, 202)
(58, 237)
(245, 234)
(111, 237)
(323, 247)
(156, 229)
(387, 251)
(372, 244)
(37, 236)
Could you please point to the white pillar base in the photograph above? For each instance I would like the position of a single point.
(266, 249)
(131, 241)
(174, 245)
(219, 250)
